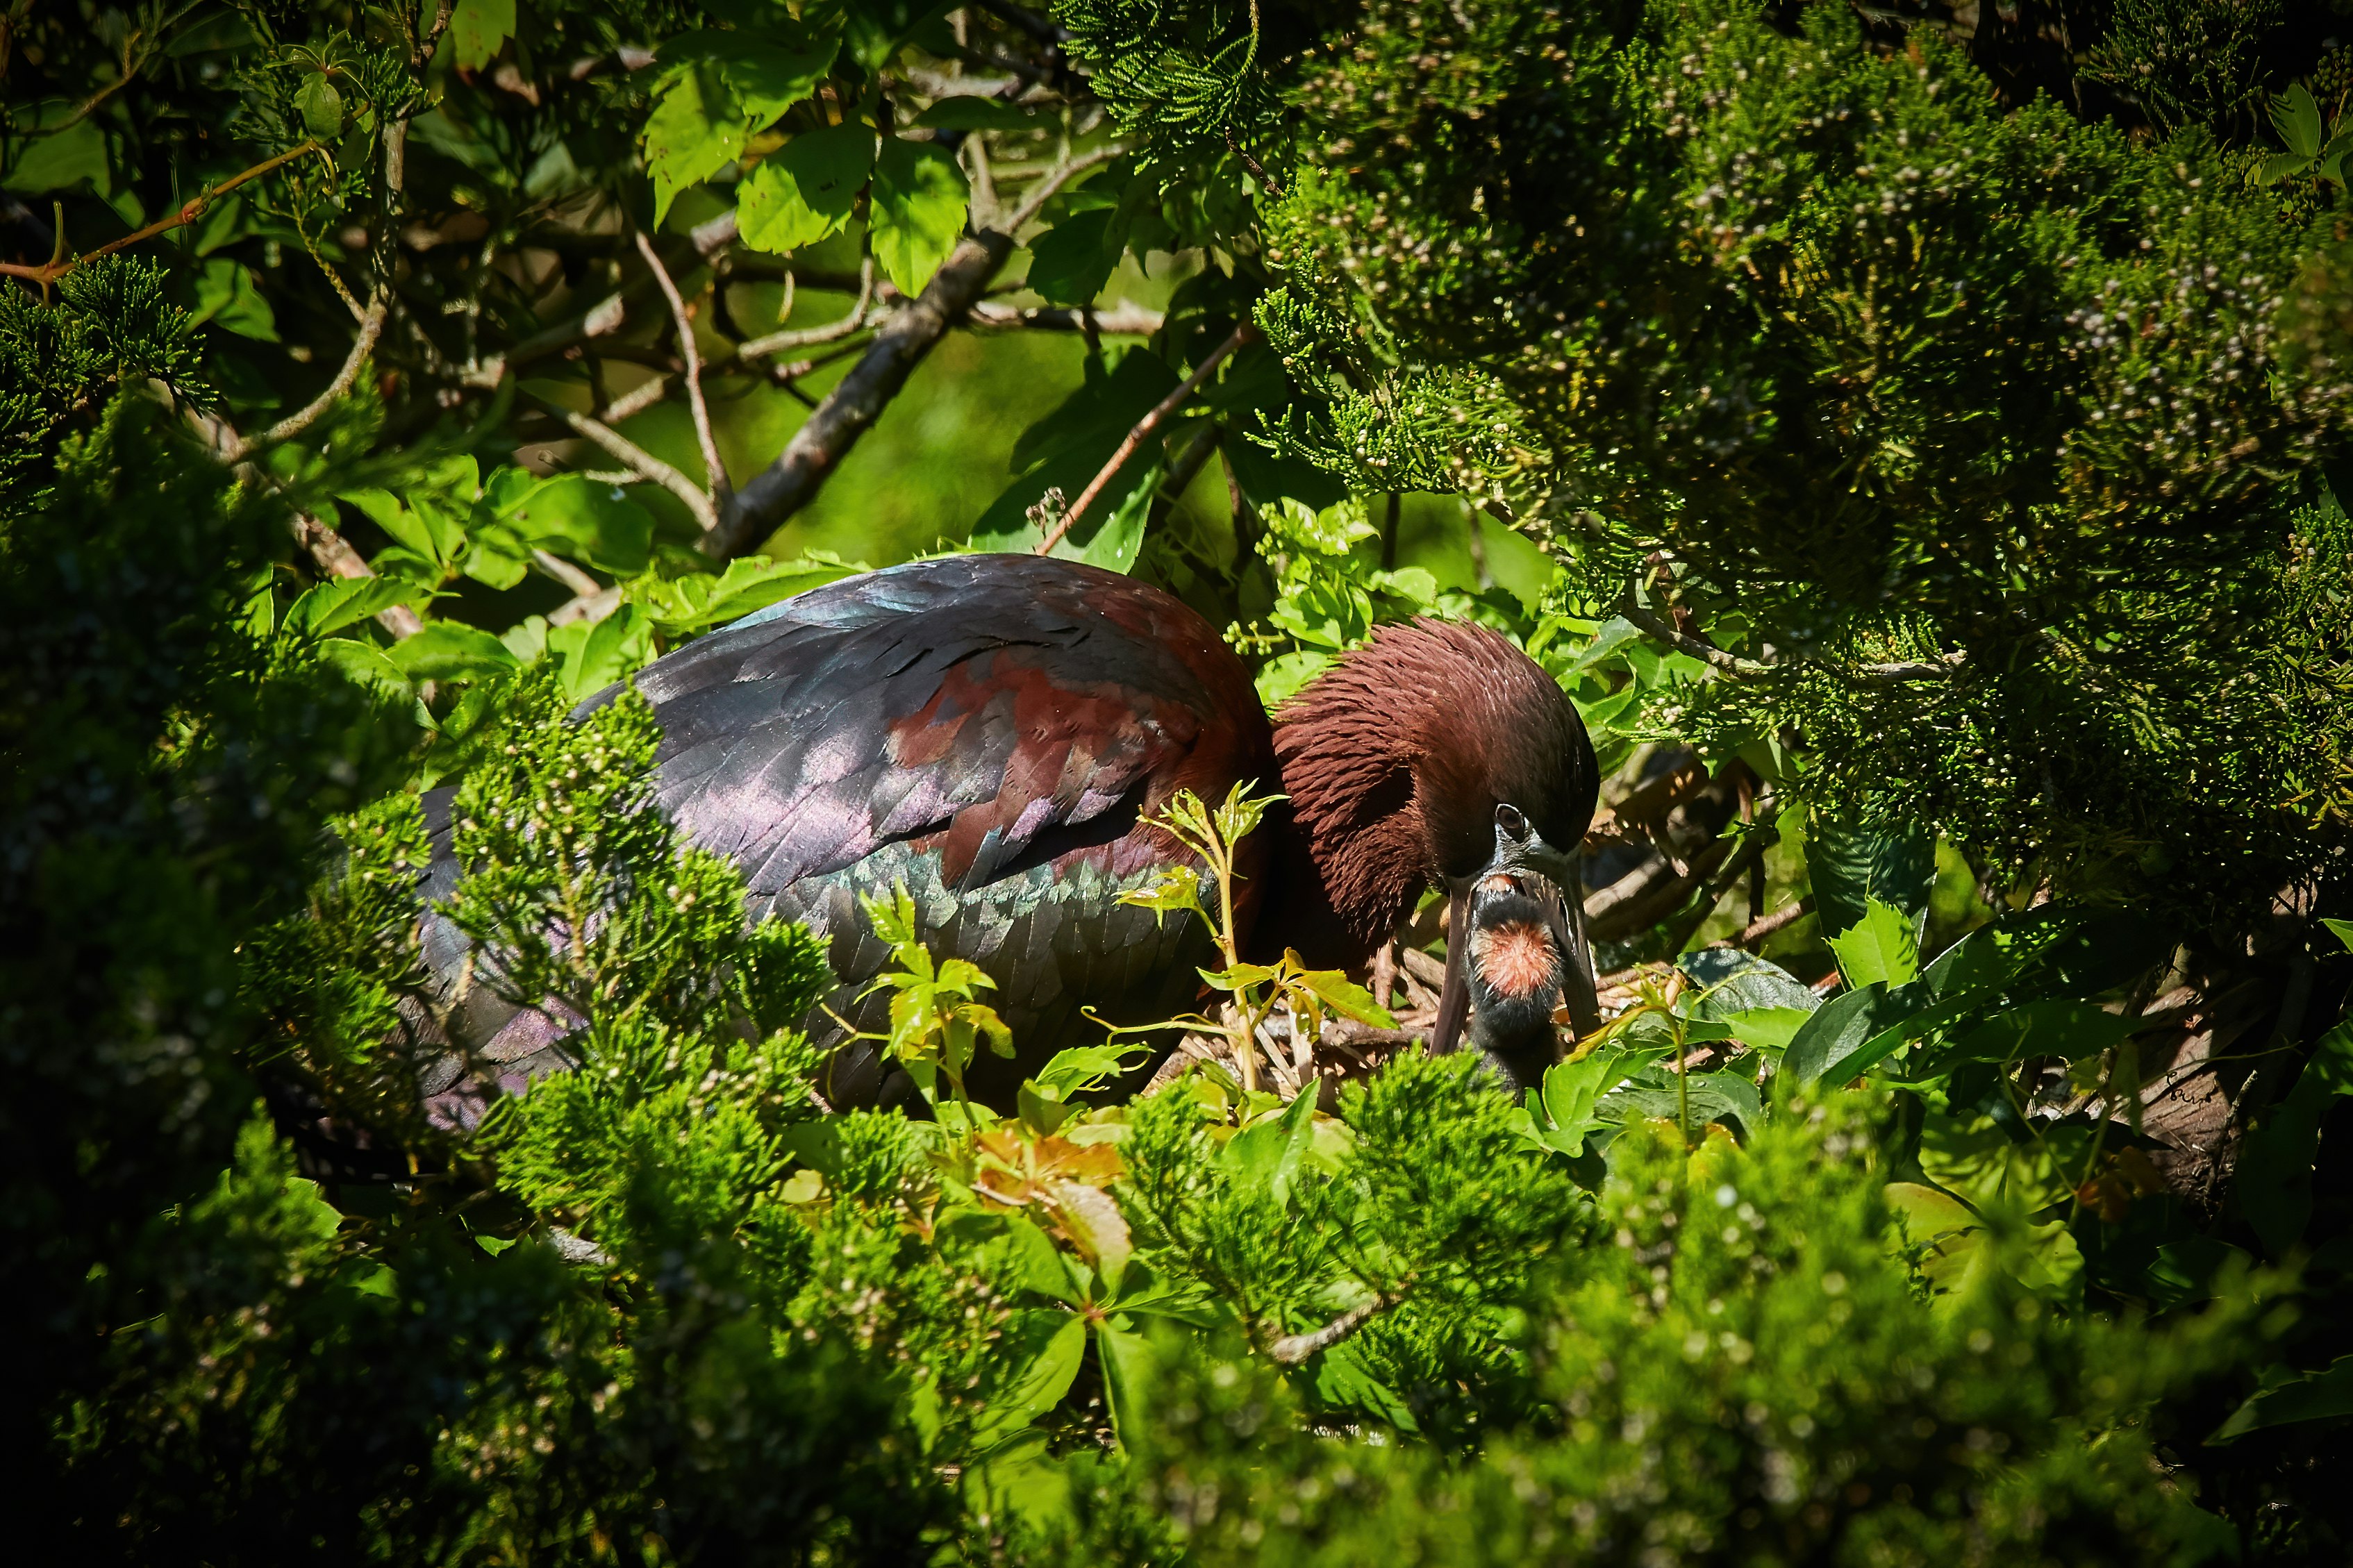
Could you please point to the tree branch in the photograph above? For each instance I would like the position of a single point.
(714, 471)
(1758, 931)
(1748, 669)
(1145, 430)
(638, 460)
(1293, 1349)
(336, 557)
(857, 399)
(301, 419)
(777, 343)
(1122, 321)
(192, 209)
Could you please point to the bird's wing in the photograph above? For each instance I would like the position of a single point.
(996, 710)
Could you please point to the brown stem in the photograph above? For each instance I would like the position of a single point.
(1145, 430)
(1293, 1349)
(301, 419)
(1757, 930)
(192, 209)
(714, 471)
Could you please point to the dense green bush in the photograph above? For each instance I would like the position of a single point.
(1938, 465)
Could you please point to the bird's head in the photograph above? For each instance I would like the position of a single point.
(1440, 754)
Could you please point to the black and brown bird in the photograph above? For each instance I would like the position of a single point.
(997, 732)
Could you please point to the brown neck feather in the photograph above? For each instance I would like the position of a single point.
(1394, 760)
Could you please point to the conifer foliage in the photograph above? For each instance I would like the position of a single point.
(1932, 427)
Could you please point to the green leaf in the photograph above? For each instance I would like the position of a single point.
(1126, 1373)
(1572, 1089)
(699, 600)
(918, 211)
(694, 131)
(2315, 1396)
(320, 107)
(1769, 1029)
(2273, 1187)
(344, 602)
(1734, 983)
(1343, 996)
(1850, 868)
(2296, 117)
(590, 520)
(1045, 1347)
(1270, 1153)
(594, 657)
(479, 29)
(2059, 1028)
(56, 161)
(229, 296)
(1071, 262)
(448, 651)
(1880, 948)
(1178, 889)
(1853, 1031)
(804, 192)
(363, 664)
(2341, 930)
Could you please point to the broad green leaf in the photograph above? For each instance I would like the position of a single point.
(1114, 543)
(918, 211)
(596, 657)
(700, 600)
(1045, 1347)
(496, 556)
(2296, 117)
(804, 192)
(1126, 1360)
(591, 521)
(2341, 930)
(2273, 1187)
(1853, 1031)
(1070, 263)
(413, 529)
(344, 602)
(1270, 1153)
(2062, 1029)
(1769, 1029)
(1283, 678)
(1341, 996)
(2315, 1396)
(1077, 1069)
(1733, 983)
(363, 664)
(320, 107)
(694, 131)
(1879, 949)
(1178, 889)
(479, 29)
(56, 161)
(1572, 1089)
(1850, 868)
(1975, 963)
(448, 651)
(227, 297)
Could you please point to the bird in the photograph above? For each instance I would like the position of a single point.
(998, 734)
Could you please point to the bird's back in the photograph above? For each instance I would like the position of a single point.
(989, 730)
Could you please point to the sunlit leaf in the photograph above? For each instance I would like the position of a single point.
(919, 202)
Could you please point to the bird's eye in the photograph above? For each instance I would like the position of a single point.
(1512, 821)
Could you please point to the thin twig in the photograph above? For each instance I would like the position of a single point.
(1732, 664)
(639, 461)
(192, 209)
(1758, 931)
(777, 343)
(1122, 321)
(1145, 430)
(563, 572)
(713, 469)
(1035, 202)
(302, 418)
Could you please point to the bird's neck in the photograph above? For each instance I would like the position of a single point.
(1354, 850)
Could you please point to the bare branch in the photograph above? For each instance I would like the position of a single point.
(302, 418)
(1122, 321)
(1293, 1349)
(714, 471)
(778, 342)
(1758, 931)
(638, 459)
(900, 343)
(1035, 202)
(563, 572)
(1145, 430)
(190, 211)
